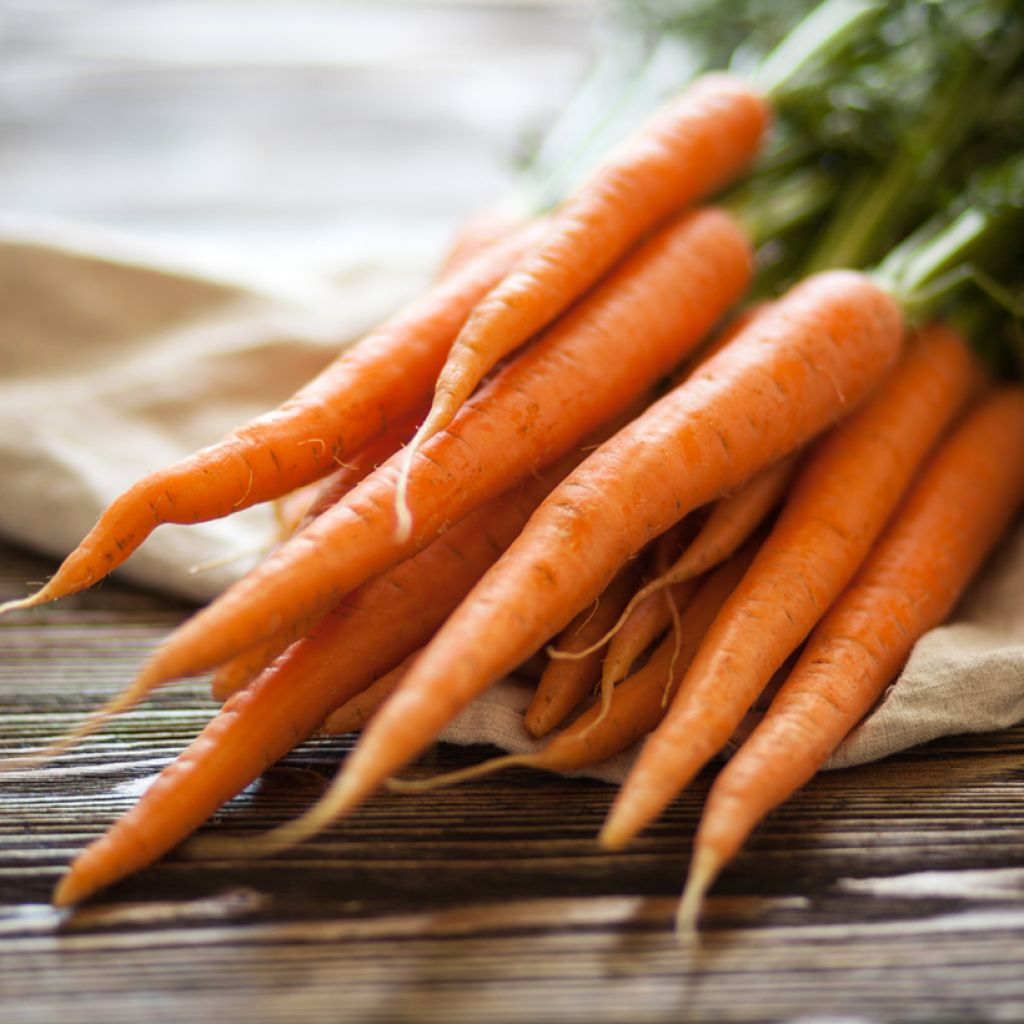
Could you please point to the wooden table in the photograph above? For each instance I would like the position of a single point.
(889, 892)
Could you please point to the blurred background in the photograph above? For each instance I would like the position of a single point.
(295, 131)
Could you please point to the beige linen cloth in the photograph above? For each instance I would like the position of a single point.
(115, 360)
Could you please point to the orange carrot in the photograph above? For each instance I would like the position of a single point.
(732, 519)
(839, 504)
(959, 507)
(592, 365)
(692, 146)
(361, 639)
(354, 713)
(565, 683)
(386, 375)
(805, 363)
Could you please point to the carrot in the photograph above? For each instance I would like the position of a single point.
(565, 683)
(360, 640)
(839, 504)
(636, 707)
(645, 317)
(792, 372)
(960, 505)
(386, 375)
(354, 713)
(692, 146)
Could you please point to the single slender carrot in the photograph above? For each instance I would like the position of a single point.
(813, 356)
(565, 683)
(637, 704)
(591, 366)
(961, 504)
(354, 713)
(695, 144)
(384, 376)
(839, 504)
(364, 637)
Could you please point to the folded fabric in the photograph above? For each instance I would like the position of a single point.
(115, 361)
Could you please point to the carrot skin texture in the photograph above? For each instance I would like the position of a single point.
(838, 506)
(960, 506)
(794, 371)
(695, 144)
(644, 318)
(368, 634)
(384, 376)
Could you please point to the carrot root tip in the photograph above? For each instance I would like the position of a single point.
(21, 603)
(703, 869)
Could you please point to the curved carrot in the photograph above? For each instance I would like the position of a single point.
(692, 146)
(385, 375)
(363, 638)
(839, 504)
(961, 504)
(791, 373)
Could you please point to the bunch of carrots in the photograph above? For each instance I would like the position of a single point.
(736, 409)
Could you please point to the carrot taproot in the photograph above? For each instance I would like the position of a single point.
(695, 144)
(564, 684)
(384, 376)
(839, 503)
(360, 640)
(949, 523)
(590, 366)
(812, 357)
